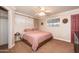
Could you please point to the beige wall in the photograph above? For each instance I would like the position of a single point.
(63, 32)
(36, 23)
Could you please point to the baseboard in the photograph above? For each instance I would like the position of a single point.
(4, 46)
(61, 39)
(9, 47)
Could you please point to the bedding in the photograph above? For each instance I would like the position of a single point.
(36, 37)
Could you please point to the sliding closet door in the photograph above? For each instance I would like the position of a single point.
(3, 27)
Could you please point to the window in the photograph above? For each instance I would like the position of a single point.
(53, 22)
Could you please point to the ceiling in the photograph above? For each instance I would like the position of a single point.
(33, 10)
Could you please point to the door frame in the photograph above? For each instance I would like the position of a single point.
(11, 42)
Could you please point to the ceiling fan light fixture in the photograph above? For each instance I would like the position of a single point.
(41, 14)
(42, 9)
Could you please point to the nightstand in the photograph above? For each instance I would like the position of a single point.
(17, 36)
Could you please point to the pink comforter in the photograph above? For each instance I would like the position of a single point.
(36, 37)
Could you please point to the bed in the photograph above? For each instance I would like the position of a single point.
(35, 37)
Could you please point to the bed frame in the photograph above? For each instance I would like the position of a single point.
(42, 43)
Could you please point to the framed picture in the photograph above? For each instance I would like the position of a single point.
(41, 23)
(65, 20)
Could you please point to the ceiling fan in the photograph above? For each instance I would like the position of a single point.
(43, 11)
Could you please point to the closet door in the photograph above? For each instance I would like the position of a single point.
(3, 27)
(4, 31)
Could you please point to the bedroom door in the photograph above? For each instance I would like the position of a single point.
(74, 26)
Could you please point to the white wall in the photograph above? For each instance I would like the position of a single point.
(63, 32)
(22, 22)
